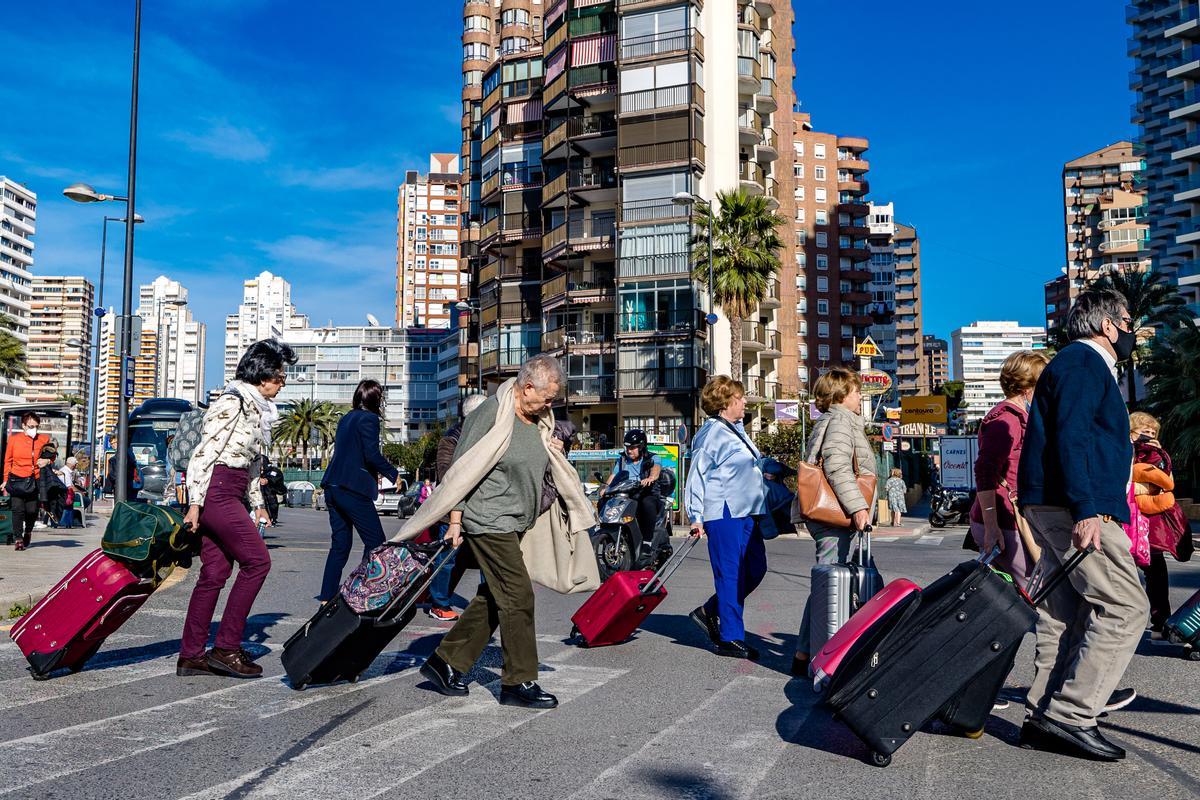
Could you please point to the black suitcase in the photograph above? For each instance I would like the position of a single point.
(339, 643)
(946, 659)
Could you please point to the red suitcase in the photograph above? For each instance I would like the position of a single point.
(67, 626)
(890, 601)
(622, 603)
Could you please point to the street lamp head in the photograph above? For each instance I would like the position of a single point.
(138, 219)
(82, 193)
(74, 342)
(463, 306)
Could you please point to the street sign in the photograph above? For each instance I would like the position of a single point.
(875, 381)
(130, 366)
(787, 410)
(867, 349)
(889, 433)
(926, 409)
(893, 414)
(135, 337)
(958, 461)
(889, 447)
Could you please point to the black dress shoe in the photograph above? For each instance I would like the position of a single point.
(527, 694)
(446, 678)
(1069, 740)
(706, 623)
(737, 649)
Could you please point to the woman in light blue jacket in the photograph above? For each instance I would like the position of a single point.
(724, 498)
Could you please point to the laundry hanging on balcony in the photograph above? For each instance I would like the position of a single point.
(593, 50)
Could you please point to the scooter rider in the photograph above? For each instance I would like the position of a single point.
(637, 463)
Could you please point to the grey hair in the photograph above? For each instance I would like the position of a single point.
(541, 371)
(1091, 308)
(472, 402)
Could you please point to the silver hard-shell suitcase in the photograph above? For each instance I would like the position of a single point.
(838, 590)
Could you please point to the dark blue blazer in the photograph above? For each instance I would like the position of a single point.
(1077, 454)
(357, 463)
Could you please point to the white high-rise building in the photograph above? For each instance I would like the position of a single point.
(181, 339)
(18, 217)
(979, 350)
(266, 311)
(429, 281)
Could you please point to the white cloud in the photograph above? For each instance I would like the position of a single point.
(225, 141)
(353, 260)
(332, 179)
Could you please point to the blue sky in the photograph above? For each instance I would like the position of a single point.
(275, 132)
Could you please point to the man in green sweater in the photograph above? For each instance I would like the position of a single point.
(496, 513)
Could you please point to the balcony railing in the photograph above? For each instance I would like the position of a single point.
(753, 334)
(640, 155)
(749, 70)
(580, 180)
(679, 320)
(600, 387)
(603, 228)
(752, 172)
(579, 126)
(660, 379)
(584, 280)
(650, 210)
(571, 336)
(518, 225)
(635, 3)
(503, 269)
(508, 358)
(658, 99)
(657, 44)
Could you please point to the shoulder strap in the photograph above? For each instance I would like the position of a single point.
(737, 433)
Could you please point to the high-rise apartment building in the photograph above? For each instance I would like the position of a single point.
(1165, 77)
(266, 312)
(895, 306)
(937, 360)
(18, 223)
(180, 339)
(979, 351)
(429, 280)
(59, 353)
(832, 256)
(145, 373)
(584, 121)
(1105, 223)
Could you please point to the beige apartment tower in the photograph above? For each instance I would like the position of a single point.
(429, 280)
(59, 353)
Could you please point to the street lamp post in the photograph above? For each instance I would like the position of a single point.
(463, 306)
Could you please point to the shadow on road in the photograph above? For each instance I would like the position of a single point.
(808, 723)
(55, 543)
(680, 784)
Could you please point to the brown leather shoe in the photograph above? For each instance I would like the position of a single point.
(232, 663)
(187, 667)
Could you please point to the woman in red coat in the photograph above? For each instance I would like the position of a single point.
(22, 469)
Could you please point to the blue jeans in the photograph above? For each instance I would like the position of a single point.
(739, 562)
(439, 589)
(347, 510)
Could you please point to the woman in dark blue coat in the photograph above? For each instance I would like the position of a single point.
(351, 483)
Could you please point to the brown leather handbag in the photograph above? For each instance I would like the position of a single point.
(815, 499)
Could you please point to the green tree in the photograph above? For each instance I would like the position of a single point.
(13, 365)
(745, 254)
(1154, 305)
(786, 443)
(1172, 369)
(305, 421)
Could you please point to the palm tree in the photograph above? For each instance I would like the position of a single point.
(745, 254)
(302, 422)
(1172, 368)
(1154, 303)
(12, 353)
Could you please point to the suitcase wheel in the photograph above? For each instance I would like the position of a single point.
(40, 676)
(1193, 655)
(973, 734)
(354, 678)
(299, 687)
(880, 759)
(574, 634)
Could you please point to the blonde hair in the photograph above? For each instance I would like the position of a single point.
(833, 387)
(897, 472)
(1021, 370)
(1140, 419)
(718, 393)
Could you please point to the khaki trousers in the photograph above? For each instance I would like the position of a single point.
(504, 600)
(1090, 626)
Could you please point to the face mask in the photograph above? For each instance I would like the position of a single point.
(31, 432)
(1125, 344)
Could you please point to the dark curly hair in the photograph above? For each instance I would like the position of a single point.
(265, 360)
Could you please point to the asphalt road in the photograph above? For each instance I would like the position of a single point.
(657, 717)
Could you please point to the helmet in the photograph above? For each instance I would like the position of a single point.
(635, 438)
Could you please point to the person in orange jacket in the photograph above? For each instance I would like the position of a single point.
(22, 471)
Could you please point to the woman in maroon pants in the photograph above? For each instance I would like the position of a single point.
(222, 475)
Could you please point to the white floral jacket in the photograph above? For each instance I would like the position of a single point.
(232, 435)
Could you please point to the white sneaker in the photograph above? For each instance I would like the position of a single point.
(40, 526)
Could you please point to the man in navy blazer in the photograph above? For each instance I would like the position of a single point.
(1073, 478)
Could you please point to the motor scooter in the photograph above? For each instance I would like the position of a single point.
(618, 540)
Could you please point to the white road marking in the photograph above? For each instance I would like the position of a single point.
(728, 765)
(405, 747)
(9, 649)
(885, 538)
(930, 540)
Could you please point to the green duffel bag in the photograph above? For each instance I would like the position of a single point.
(152, 540)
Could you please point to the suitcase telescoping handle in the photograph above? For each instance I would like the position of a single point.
(1040, 586)
(406, 600)
(665, 572)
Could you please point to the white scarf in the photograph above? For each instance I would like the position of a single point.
(268, 411)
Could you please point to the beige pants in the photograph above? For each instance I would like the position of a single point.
(1090, 626)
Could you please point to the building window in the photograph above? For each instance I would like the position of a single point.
(798, 171)
(823, 352)
(802, 305)
(845, 308)
(823, 330)
(818, 150)
(822, 239)
(820, 195)
(799, 192)
(819, 173)
(799, 148)
(801, 237)
(823, 307)
(476, 23)
(802, 282)
(477, 51)
(822, 261)
(517, 16)
(822, 216)
(822, 283)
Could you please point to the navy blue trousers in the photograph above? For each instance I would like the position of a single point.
(739, 562)
(347, 510)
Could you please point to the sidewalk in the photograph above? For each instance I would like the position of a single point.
(25, 577)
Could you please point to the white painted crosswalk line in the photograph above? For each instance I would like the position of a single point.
(10, 651)
(930, 540)
(378, 760)
(878, 539)
(727, 746)
(45, 757)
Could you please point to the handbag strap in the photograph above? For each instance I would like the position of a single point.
(815, 449)
(753, 452)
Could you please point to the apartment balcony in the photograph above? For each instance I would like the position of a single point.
(591, 389)
(750, 127)
(653, 210)
(511, 178)
(1189, 105)
(854, 165)
(596, 82)
(1126, 246)
(859, 271)
(512, 227)
(664, 99)
(764, 99)
(490, 143)
(853, 185)
(673, 322)
(579, 286)
(771, 300)
(641, 5)
(749, 75)
(504, 269)
(856, 144)
(856, 295)
(589, 135)
(588, 186)
(663, 43)
(772, 194)
(857, 249)
(759, 389)
(752, 178)
(754, 337)
(508, 360)
(857, 228)
(768, 148)
(661, 380)
(854, 206)
(577, 339)
(662, 154)
(773, 345)
(579, 236)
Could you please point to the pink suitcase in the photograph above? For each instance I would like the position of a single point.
(622, 603)
(888, 604)
(67, 626)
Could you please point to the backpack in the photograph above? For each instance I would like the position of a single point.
(186, 440)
